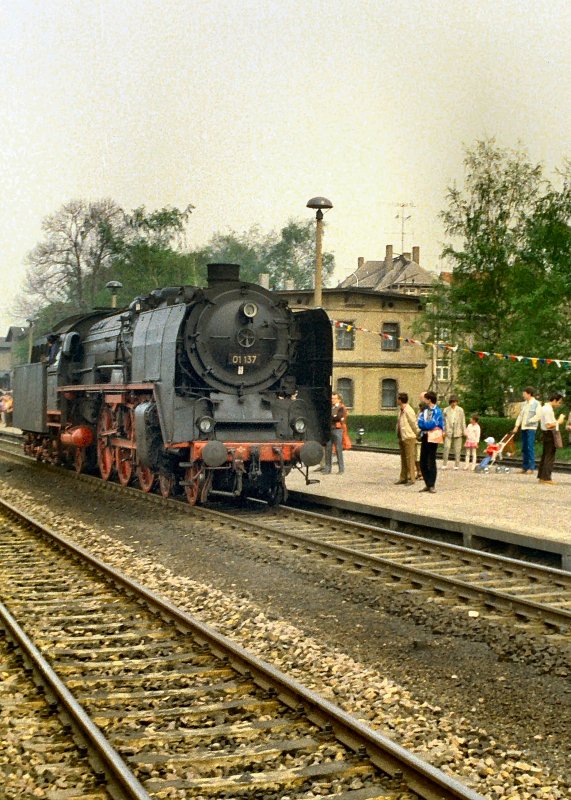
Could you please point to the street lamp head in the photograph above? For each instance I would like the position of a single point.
(319, 203)
(114, 286)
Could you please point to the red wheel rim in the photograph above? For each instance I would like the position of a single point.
(192, 484)
(146, 478)
(124, 465)
(166, 484)
(105, 455)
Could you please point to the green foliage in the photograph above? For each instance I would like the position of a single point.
(86, 245)
(380, 431)
(286, 256)
(246, 249)
(291, 257)
(510, 250)
(372, 423)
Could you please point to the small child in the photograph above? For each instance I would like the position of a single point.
(473, 433)
(492, 451)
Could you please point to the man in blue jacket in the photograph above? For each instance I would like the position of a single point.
(431, 419)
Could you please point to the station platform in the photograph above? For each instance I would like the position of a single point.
(480, 508)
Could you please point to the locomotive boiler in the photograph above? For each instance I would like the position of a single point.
(215, 389)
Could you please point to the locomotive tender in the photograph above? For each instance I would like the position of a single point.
(216, 389)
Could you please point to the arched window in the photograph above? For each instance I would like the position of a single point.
(388, 393)
(345, 388)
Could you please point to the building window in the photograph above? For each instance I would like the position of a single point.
(345, 389)
(345, 339)
(388, 393)
(392, 329)
(443, 369)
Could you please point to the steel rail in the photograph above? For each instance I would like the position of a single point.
(428, 781)
(467, 553)
(117, 772)
(558, 618)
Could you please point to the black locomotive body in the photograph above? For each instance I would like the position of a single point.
(222, 388)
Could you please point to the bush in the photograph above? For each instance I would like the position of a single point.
(380, 431)
(372, 423)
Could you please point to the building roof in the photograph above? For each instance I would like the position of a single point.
(400, 275)
(15, 332)
(354, 290)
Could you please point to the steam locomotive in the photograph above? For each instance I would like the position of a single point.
(217, 389)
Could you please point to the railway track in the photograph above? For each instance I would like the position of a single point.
(37, 751)
(169, 708)
(513, 590)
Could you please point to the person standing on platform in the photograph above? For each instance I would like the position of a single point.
(431, 423)
(407, 430)
(473, 434)
(528, 421)
(455, 421)
(338, 415)
(550, 429)
(8, 408)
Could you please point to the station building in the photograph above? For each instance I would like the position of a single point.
(379, 297)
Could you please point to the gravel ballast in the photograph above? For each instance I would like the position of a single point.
(498, 722)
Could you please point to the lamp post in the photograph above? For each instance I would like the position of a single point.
(30, 338)
(318, 203)
(114, 286)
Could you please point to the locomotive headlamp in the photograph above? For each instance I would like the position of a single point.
(299, 425)
(249, 310)
(205, 424)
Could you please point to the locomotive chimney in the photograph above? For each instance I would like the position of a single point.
(223, 273)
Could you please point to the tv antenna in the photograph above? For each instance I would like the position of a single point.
(404, 217)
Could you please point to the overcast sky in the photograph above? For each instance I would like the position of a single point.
(247, 108)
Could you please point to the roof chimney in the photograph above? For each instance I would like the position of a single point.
(360, 262)
(264, 280)
(406, 256)
(389, 257)
(416, 255)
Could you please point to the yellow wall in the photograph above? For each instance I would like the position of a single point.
(368, 364)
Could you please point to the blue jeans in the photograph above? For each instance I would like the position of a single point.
(528, 449)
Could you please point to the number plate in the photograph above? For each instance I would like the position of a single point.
(242, 359)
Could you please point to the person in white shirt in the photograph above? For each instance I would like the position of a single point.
(548, 426)
(473, 434)
(528, 420)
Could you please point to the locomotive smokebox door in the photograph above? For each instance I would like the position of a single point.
(237, 338)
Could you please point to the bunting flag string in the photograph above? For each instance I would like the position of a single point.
(535, 361)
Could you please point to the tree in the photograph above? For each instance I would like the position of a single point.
(69, 265)
(291, 257)
(143, 254)
(246, 249)
(510, 254)
(286, 256)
